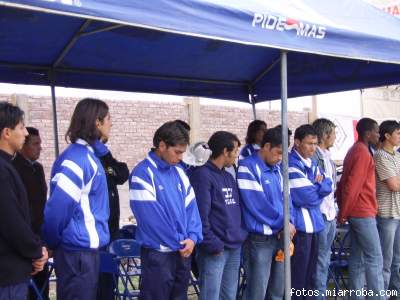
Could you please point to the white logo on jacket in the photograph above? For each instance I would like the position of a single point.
(228, 194)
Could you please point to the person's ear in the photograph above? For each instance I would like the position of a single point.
(5, 133)
(297, 142)
(162, 146)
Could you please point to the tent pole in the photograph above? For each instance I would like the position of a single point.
(253, 104)
(252, 101)
(55, 127)
(285, 174)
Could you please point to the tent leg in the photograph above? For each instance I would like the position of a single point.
(285, 174)
(253, 104)
(55, 127)
(252, 101)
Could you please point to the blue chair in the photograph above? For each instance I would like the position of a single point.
(128, 232)
(126, 255)
(339, 260)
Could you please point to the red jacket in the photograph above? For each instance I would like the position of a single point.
(356, 192)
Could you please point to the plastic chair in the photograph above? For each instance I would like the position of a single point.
(126, 254)
(128, 232)
(339, 260)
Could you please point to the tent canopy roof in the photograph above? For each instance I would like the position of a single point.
(220, 49)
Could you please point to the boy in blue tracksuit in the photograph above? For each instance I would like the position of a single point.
(260, 186)
(308, 187)
(169, 225)
(218, 256)
(76, 214)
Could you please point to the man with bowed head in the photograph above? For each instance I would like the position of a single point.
(164, 205)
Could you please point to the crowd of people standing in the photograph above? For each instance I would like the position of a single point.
(223, 212)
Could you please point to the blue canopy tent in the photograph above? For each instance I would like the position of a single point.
(247, 51)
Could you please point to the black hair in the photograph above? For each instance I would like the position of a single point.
(184, 124)
(252, 130)
(288, 130)
(221, 140)
(83, 121)
(364, 125)
(388, 126)
(273, 136)
(10, 115)
(323, 126)
(31, 131)
(172, 133)
(304, 130)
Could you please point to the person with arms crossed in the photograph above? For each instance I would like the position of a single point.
(308, 187)
(387, 163)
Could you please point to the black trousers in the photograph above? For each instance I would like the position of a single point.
(165, 275)
(304, 263)
(77, 274)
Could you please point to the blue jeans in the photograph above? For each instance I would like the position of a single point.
(264, 274)
(365, 254)
(389, 233)
(14, 292)
(325, 240)
(218, 274)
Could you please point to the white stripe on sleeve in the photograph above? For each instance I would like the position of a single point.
(246, 184)
(68, 186)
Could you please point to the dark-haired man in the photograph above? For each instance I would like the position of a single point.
(32, 175)
(308, 187)
(218, 255)
(356, 195)
(169, 225)
(76, 214)
(21, 251)
(387, 161)
(260, 185)
(254, 136)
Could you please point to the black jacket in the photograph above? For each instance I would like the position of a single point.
(18, 244)
(32, 176)
(117, 173)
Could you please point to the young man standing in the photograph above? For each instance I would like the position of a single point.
(308, 187)
(260, 185)
(21, 250)
(387, 161)
(356, 195)
(164, 205)
(218, 255)
(32, 175)
(76, 214)
(326, 135)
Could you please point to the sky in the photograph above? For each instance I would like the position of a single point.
(327, 103)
